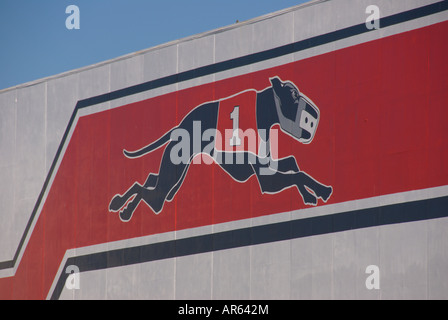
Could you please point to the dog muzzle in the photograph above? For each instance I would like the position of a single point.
(303, 127)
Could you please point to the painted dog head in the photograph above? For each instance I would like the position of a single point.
(297, 114)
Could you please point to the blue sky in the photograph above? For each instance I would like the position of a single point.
(35, 42)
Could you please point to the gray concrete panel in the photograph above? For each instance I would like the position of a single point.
(62, 96)
(322, 265)
(94, 82)
(117, 279)
(233, 43)
(159, 63)
(270, 271)
(194, 277)
(125, 73)
(30, 141)
(301, 272)
(437, 259)
(194, 54)
(7, 227)
(98, 284)
(367, 253)
(403, 256)
(232, 274)
(274, 32)
(8, 117)
(7, 128)
(343, 265)
(157, 282)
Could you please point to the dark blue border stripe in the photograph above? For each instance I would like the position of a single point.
(214, 68)
(365, 218)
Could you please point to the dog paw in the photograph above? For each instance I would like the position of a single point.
(327, 194)
(116, 203)
(128, 211)
(125, 215)
(310, 200)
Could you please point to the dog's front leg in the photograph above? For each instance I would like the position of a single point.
(308, 198)
(118, 201)
(322, 191)
(287, 165)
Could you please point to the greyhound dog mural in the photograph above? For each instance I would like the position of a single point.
(280, 104)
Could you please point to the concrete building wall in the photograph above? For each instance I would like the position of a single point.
(46, 123)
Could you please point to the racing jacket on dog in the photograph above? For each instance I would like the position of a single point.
(237, 123)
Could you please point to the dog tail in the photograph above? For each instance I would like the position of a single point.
(149, 148)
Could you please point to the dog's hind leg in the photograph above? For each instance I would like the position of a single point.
(322, 191)
(158, 189)
(151, 181)
(127, 212)
(131, 198)
(153, 194)
(176, 188)
(118, 201)
(162, 187)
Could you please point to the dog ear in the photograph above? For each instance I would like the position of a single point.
(276, 82)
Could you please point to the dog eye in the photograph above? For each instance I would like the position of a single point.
(294, 95)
